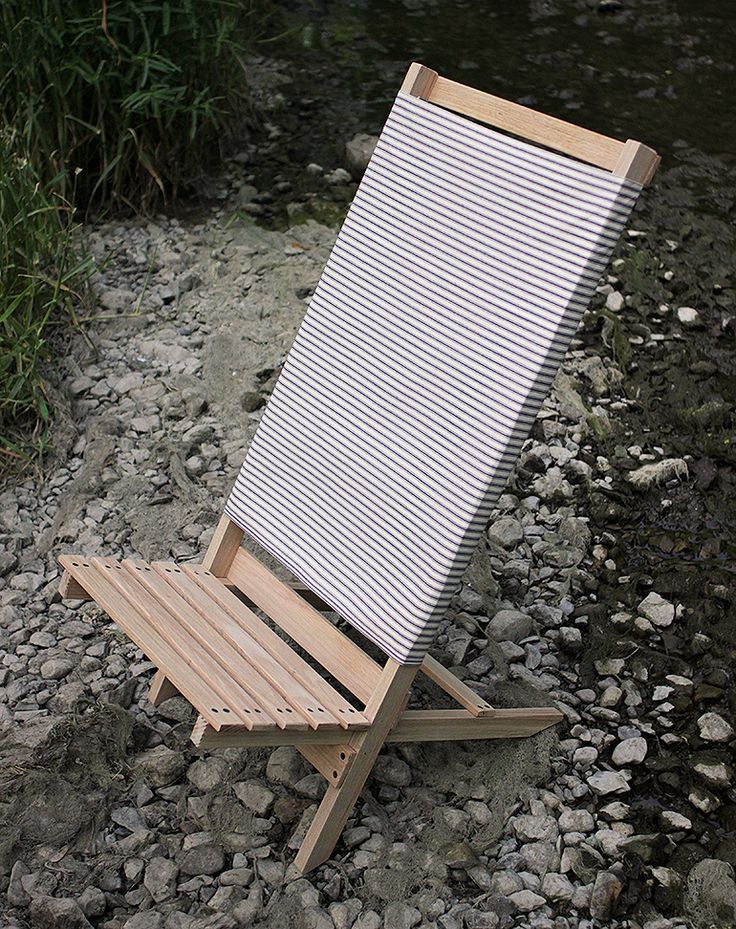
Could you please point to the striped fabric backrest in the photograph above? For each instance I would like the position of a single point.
(444, 311)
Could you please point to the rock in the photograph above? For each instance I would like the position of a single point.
(571, 638)
(510, 626)
(207, 773)
(255, 796)
(660, 472)
(358, 152)
(57, 913)
(160, 766)
(689, 317)
(714, 728)
(285, 766)
(557, 887)
(337, 177)
(657, 610)
(391, 770)
(710, 895)
(608, 782)
(506, 532)
(526, 900)
(615, 301)
(16, 894)
(203, 859)
(160, 878)
(56, 668)
(93, 901)
(147, 919)
(672, 821)
(630, 751)
(576, 821)
(606, 890)
(715, 773)
(530, 828)
(399, 915)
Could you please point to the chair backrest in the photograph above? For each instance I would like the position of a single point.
(447, 304)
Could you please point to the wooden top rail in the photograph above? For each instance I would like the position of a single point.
(628, 159)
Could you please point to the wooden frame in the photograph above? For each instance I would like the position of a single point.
(249, 686)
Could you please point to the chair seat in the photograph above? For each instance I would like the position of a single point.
(229, 664)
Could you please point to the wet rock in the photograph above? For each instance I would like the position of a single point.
(710, 895)
(510, 626)
(358, 152)
(57, 913)
(657, 610)
(160, 878)
(630, 751)
(606, 891)
(714, 728)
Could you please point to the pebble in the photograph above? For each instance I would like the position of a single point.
(714, 728)
(630, 751)
(657, 610)
(603, 783)
(510, 626)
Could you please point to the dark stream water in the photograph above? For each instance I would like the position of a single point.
(663, 72)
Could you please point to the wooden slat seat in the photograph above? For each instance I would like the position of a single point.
(232, 667)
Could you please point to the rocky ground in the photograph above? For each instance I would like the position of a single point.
(602, 586)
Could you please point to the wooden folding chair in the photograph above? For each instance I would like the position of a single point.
(447, 304)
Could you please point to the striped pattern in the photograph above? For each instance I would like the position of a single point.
(444, 311)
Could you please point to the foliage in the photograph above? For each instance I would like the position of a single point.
(39, 271)
(127, 100)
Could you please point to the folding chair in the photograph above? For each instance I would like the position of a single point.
(446, 306)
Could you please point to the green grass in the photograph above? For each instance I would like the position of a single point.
(125, 102)
(41, 279)
(111, 107)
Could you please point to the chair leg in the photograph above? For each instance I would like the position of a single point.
(384, 708)
(161, 689)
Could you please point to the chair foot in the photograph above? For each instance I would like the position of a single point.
(161, 689)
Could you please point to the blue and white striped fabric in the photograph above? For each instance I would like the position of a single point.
(444, 311)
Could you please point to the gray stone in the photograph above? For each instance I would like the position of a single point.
(160, 878)
(16, 894)
(207, 773)
(285, 766)
(391, 770)
(147, 919)
(93, 901)
(526, 900)
(608, 782)
(606, 890)
(160, 766)
(530, 828)
(510, 626)
(657, 610)
(576, 821)
(57, 913)
(255, 795)
(630, 751)
(714, 728)
(557, 887)
(203, 859)
(399, 915)
(689, 317)
(710, 895)
(506, 531)
(56, 668)
(358, 152)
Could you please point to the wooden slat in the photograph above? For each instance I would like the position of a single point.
(413, 726)
(71, 589)
(325, 695)
(254, 661)
(216, 660)
(337, 654)
(452, 685)
(221, 550)
(135, 623)
(588, 146)
(136, 586)
(419, 81)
